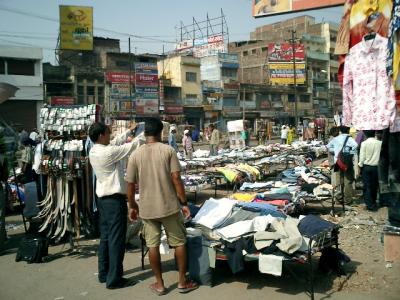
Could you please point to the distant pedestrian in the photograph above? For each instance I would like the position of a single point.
(187, 143)
(369, 159)
(291, 135)
(3, 182)
(214, 140)
(284, 134)
(172, 139)
(246, 136)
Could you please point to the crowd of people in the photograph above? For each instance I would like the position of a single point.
(351, 156)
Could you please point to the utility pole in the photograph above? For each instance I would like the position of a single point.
(130, 75)
(244, 104)
(293, 42)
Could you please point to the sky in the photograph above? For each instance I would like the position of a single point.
(35, 22)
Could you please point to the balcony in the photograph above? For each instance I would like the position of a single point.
(192, 102)
(317, 55)
(320, 77)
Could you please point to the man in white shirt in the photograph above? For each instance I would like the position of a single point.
(284, 134)
(369, 159)
(107, 159)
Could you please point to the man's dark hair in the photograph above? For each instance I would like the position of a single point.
(334, 131)
(344, 129)
(211, 125)
(153, 127)
(369, 133)
(96, 129)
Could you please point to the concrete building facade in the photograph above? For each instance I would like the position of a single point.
(22, 67)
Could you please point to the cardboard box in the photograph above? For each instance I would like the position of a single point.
(392, 247)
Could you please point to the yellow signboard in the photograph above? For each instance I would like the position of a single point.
(282, 73)
(76, 27)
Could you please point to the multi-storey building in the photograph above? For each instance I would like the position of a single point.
(22, 67)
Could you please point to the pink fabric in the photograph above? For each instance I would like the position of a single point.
(187, 143)
(368, 94)
(279, 203)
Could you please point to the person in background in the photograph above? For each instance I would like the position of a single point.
(214, 140)
(369, 158)
(195, 134)
(187, 144)
(27, 159)
(106, 158)
(334, 147)
(34, 135)
(246, 136)
(3, 182)
(291, 135)
(155, 168)
(284, 134)
(172, 139)
(333, 132)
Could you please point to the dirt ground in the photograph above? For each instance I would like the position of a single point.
(72, 274)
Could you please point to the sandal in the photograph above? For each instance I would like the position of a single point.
(156, 291)
(190, 286)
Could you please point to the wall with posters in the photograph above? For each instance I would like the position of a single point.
(280, 63)
(272, 7)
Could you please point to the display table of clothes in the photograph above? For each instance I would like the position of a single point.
(239, 231)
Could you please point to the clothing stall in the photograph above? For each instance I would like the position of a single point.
(369, 56)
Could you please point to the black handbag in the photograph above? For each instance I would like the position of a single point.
(32, 249)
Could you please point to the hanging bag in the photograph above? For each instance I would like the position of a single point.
(345, 159)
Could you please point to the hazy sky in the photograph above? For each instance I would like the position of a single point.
(36, 22)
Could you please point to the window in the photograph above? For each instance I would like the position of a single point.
(2, 66)
(245, 53)
(226, 72)
(191, 96)
(264, 49)
(21, 67)
(81, 98)
(254, 51)
(291, 98)
(121, 63)
(191, 77)
(90, 90)
(304, 98)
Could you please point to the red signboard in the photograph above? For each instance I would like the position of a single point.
(173, 109)
(120, 77)
(145, 79)
(283, 52)
(60, 100)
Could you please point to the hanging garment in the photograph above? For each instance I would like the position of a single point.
(359, 12)
(343, 36)
(368, 95)
(393, 49)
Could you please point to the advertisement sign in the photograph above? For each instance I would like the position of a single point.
(146, 80)
(273, 7)
(60, 100)
(184, 45)
(173, 109)
(282, 73)
(76, 27)
(209, 49)
(204, 46)
(283, 52)
(147, 89)
(280, 63)
(119, 91)
(119, 77)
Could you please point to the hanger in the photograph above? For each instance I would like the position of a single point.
(370, 36)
